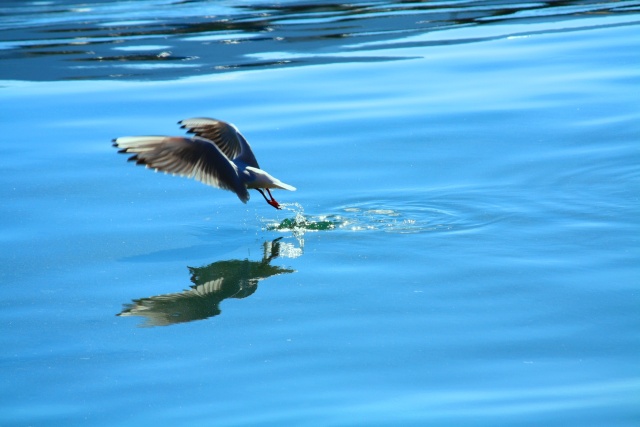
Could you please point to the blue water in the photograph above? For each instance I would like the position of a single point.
(462, 248)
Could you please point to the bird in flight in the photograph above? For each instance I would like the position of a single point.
(217, 154)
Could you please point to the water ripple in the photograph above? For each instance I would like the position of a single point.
(391, 217)
(46, 41)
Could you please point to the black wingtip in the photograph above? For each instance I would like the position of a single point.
(122, 151)
(133, 159)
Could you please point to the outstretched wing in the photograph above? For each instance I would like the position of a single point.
(224, 135)
(194, 158)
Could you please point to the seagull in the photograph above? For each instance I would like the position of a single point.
(217, 155)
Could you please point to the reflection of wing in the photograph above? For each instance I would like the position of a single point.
(212, 284)
(199, 302)
(200, 291)
(206, 288)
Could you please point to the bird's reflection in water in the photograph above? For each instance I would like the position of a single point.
(212, 284)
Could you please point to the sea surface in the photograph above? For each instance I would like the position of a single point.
(463, 248)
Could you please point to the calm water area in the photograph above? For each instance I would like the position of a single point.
(463, 248)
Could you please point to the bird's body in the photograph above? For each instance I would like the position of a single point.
(217, 154)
